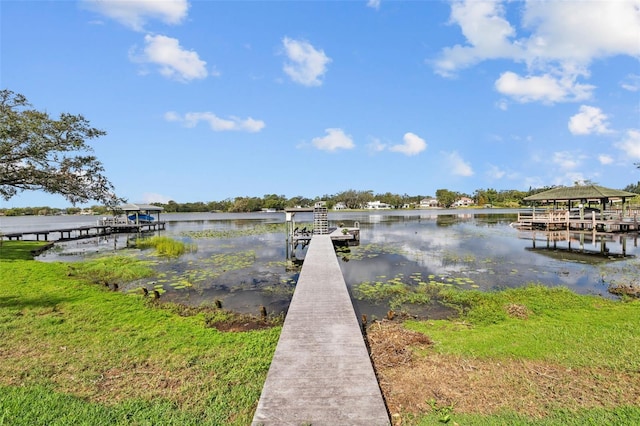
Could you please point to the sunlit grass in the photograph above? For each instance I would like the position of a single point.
(539, 323)
(77, 353)
(20, 250)
(625, 415)
(165, 246)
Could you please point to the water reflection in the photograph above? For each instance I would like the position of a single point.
(587, 246)
(468, 250)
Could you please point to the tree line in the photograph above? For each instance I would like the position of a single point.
(350, 199)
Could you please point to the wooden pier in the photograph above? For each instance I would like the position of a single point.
(102, 228)
(607, 221)
(132, 221)
(321, 372)
(302, 236)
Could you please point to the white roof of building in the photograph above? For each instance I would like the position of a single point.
(130, 207)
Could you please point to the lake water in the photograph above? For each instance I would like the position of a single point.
(242, 259)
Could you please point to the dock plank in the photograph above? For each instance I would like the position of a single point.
(321, 373)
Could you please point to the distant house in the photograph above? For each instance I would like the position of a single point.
(377, 205)
(340, 206)
(463, 202)
(428, 202)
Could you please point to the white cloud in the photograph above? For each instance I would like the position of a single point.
(377, 145)
(581, 31)
(150, 197)
(494, 172)
(135, 13)
(173, 61)
(533, 182)
(605, 159)
(172, 116)
(487, 33)
(589, 120)
(374, 4)
(631, 83)
(334, 140)
(305, 65)
(572, 178)
(563, 38)
(566, 160)
(457, 164)
(191, 119)
(630, 145)
(545, 88)
(413, 145)
(502, 104)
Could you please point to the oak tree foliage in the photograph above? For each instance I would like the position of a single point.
(38, 152)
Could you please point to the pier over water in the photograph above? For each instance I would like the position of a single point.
(321, 372)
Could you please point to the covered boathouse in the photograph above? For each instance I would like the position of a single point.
(581, 207)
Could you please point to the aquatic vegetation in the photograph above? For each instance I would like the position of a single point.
(231, 261)
(379, 290)
(111, 269)
(181, 284)
(286, 288)
(268, 228)
(159, 288)
(165, 246)
(206, 270)
(276, 264)
(399, 291)
(368, 251)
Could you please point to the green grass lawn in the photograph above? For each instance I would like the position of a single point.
(77, 353)
(551, 324)
(19, 250)
(582, 340)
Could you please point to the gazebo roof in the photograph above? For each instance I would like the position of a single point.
(140, 207)
(580, 192)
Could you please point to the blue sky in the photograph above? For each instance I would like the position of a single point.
(208, 100)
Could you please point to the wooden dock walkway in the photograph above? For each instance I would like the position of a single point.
(321, 372)
(562, 219)
(86, 231)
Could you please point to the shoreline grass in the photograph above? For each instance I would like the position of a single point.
(116, 358)
(165, 246)
(531, 355)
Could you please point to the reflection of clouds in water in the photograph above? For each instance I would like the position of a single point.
(493, 255)
(368, 270)
(479, 246)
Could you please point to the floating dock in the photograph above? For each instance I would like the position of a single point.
(321, 372)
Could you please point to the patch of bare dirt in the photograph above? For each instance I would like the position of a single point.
(517, 311)
(632, 290)
(241, 323)
(392, 345)
(115, 384)
(230, 322)
(411, 375)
